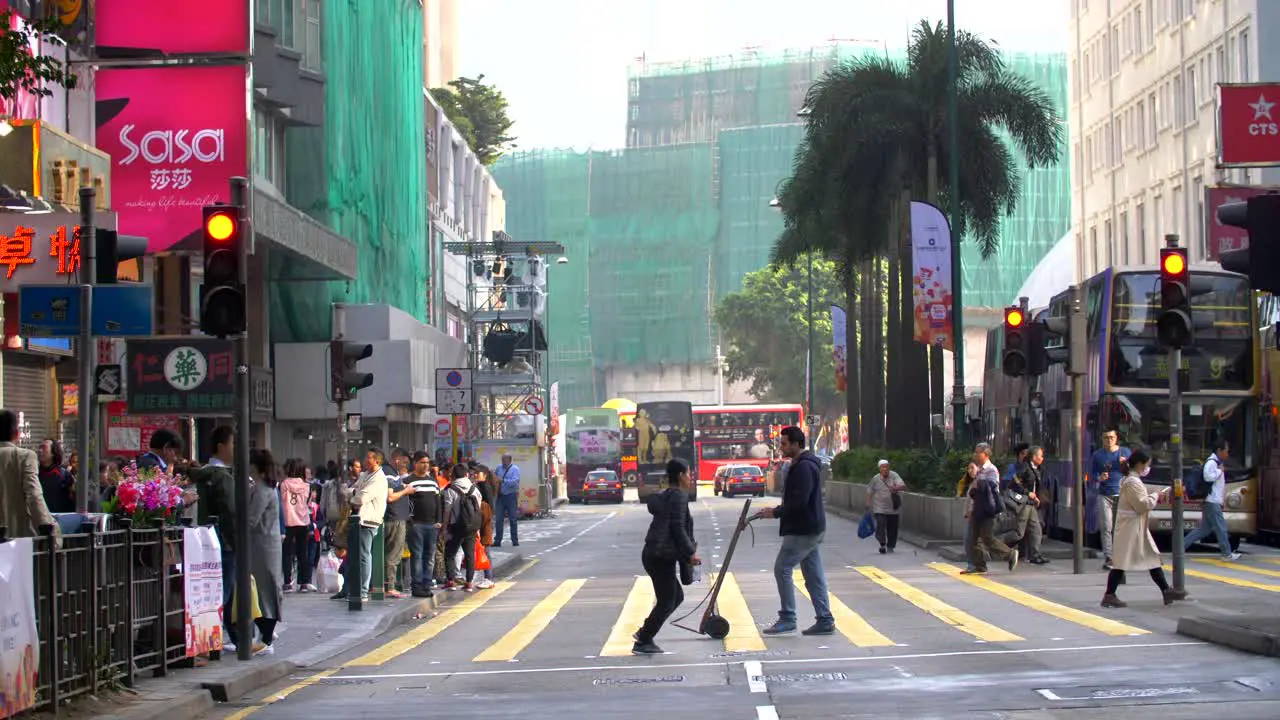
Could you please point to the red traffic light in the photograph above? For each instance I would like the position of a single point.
(1173, 262)
(220, 226)
(1013, 317)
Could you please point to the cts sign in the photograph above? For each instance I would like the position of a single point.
(1249, 124)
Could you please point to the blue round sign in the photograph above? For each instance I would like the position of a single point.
(454, 378)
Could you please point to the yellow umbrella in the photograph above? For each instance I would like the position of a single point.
(621, 405)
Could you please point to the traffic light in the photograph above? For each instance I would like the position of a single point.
(1014, 360)
(1260, 216)
(1072, 328)
(222, 297)
(111, 249)
(345, 379)
(1174, 327)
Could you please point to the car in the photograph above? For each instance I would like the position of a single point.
(733, 480)
(602, 485)
(655, 482)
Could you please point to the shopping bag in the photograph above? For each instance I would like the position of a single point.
(328, 573)
(482, 557)
(867, 527)
(253, 598)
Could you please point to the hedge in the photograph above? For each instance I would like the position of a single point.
(925, 471)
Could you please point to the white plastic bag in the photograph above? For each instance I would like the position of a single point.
(697, 574)
(328, 578)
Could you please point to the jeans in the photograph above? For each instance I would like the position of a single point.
(393, 540)
(805, 551)
(296, 540)
(422, 554)
(887, 530)
(508, 506)
(467, 544)
(1106, 522)
(366, 557)
(664, 573)
(1211, 523)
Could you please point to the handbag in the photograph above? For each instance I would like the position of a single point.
(897, 500)
(253, 598)
(867, 526)
(482, 557)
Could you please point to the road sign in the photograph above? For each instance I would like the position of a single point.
(49, 310)
(122, 310)
(108, 380)
(533, 405)
(453, 391)
(443, 427)
(1248, 124)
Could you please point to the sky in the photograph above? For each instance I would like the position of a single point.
(562, 64)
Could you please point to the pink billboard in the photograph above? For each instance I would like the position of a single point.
(176, 136)
(173, 28)
(1224, 238)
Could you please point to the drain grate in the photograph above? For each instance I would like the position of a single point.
(638, 681)
(347, 681)
(806, 677)
(749, 654)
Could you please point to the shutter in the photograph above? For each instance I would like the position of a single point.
(28, 390)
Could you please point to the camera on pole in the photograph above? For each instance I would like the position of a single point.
(1260, 216)
(1174, 326)
(222, 297)
(345, 379)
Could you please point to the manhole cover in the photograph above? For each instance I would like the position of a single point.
(806, 677)
(638, 681)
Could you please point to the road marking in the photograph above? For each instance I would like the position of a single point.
(743, 636)
(766, 712)
(755, 676)
(1103, 625)
(1238, 566)
(582, 532)
(532, 624)
(431, 628)
(639, 601)
(1239, 582)
(952, 616)
(789, 661)
(277, 697)
(1048, 695)
(849, 623)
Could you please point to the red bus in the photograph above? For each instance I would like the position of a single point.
(739, 434)
(628, 421)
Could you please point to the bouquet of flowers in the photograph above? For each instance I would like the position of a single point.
(151, 497)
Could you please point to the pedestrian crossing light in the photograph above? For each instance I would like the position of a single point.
(1014, 360)
(222, 297)
(1174, 327)
(345, 380)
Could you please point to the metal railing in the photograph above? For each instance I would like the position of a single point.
(109, 605)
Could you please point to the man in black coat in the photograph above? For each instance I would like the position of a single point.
(802, 524)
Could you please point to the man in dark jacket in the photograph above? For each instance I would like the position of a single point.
(216, 490)
(802, 524)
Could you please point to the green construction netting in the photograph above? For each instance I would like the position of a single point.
(358, 175)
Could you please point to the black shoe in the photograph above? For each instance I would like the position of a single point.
(646, 648)
(338, 596)
(883, 550)
(820, 628)
(421, 593)
(516, 544)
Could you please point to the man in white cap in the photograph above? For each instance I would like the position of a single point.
(883, 499)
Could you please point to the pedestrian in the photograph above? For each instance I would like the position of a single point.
(1107, 468)
(508, 500)
(264, 552)
(395, 527)
(668, 544)
(483, 479)
(884, 499)
(1212, 521)
(463, 518)
(428, 518)
(802, 525)
(58, 484)
(295, 499)
(987, 504)
(22, 506)
(215, 488)
(1023, 492)
(1135, 548)
(369, 504)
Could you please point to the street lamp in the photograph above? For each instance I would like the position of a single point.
(808, 356)
(957, 277)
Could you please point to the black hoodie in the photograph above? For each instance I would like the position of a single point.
(801, 512)
(670, 533)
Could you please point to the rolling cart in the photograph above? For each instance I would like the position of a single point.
(713, 624)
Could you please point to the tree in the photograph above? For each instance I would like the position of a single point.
(876, 136)
(479, 112)
(765, 328)
(20, 69)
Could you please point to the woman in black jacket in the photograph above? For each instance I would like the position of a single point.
(668, 543)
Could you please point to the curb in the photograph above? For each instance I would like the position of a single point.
(1258, 642)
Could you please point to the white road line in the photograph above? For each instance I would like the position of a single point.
(584, 531)
(789, 661)
(1048, 695)
(755, 676)
(766, 712)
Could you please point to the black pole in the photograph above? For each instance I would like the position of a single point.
(240, 467)
(85, 348)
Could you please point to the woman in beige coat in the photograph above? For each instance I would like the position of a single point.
(1133, 547)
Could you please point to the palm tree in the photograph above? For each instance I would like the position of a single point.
(878, 128)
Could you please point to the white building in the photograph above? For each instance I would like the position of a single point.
(1143, 131)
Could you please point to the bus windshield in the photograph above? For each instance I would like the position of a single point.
(1143, 421)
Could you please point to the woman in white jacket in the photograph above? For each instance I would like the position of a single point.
(1133, 547)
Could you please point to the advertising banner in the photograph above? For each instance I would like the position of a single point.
(931, 273)
(176, 136)
(525, 457)
(164, 27)
(202, 585)
(130, 435)
(840, 347)
(1224, 238)
(553, 413)
(1248, 124)
(19, 641)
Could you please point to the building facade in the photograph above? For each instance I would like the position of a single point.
(440, 42)
(1143, 77)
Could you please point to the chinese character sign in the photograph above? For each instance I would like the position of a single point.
(130, 435)
(186, 376)
(202, 585)
(931, 273)
(40, 249)
(181, 135)
(19, 641)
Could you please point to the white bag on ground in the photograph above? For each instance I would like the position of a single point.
(328, 578)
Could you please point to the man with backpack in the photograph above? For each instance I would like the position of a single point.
(508, 505)
(1214, 487)
(463, 519)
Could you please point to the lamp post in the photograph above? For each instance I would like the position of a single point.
(957, 277)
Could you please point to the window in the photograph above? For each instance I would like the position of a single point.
(1196, 231)
(279, 16)
(312, 37)
(1093, 248)
(1221, 74)
(1140, 215)
(1153, 129)
(268, 148)
(1244, 56)
(1124, 238)
(1157, 222)
(1177, 210)
(1191, 97)
(1179, 103)
(1111, 243)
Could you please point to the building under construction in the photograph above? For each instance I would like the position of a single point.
(659, 231)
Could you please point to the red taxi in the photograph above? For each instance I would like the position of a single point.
(602, 485)
(733, 480)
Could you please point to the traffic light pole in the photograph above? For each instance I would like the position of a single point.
(86, 350)
(1076, 338)
(1175, 439)
(352, 582)
(240, 466)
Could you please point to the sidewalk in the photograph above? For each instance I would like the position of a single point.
(316, 629)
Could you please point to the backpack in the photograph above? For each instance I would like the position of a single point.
(469, 517)
(1194, 486)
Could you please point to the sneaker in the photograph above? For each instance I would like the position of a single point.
(338, 596)
(821, 627)
(1013, 559)
(393, 594)
(974, 571)
(228, 647)
(451, 586)
(364, 597)
(781, 627)
(260, 648)
(646, 648)
(1233, 557)
(265, 650)
(484, 584)
(288, 587)
(422, 593)
(883, 550)
(468, 588)
(307, 588)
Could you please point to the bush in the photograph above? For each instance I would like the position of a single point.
(923, 470)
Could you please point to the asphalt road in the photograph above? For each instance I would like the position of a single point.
(916, 640)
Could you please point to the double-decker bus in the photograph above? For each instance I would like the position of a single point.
(630, 476)
(1126, 389)
(740, 434)
(592, 441)
(663, 430)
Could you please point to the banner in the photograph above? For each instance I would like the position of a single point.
(553, 413)
(525, 457)
(931, 276)
(19, 641)
(202, 585)
(840, 347)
